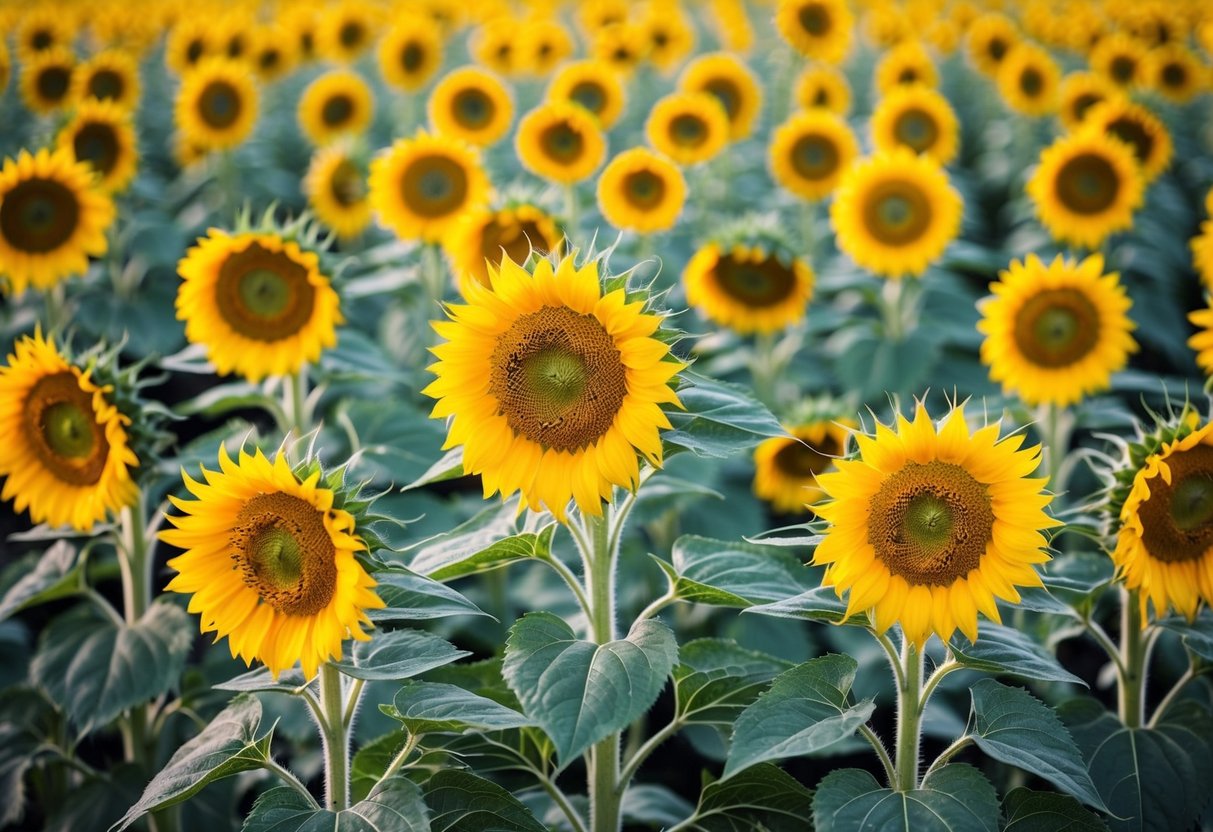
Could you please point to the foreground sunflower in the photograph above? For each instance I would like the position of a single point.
(560, 141)
(820, 29)
(786, 467)
(421, 185)
(483, 238)
(895, 212)
(593, 85)
(65, 456)
(929, 526)
(732, 83)
(52, 218)
(552, 386)
(1056, 332)
(748, 288)
(257, 302)
(688, 127)
(338, 103)
(101, 134)
(471, 104)
(810, 152)
(336, 191)
(270, 562)
(1164, 547)
(217, 104)
(919, 118)
(641, 191)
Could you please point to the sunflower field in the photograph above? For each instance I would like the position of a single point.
(606, 416)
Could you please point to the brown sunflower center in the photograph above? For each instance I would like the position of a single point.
(97, 144)
(473, 108)
(1084, 102)
(821, 98)
(761, 283)
(1174, 75)
(1057, 327)
(688, 130)
(337, 110)
(352, 34)
(194, 51)
(803, 460)
(106, 84)
(1123, 68)
(412, 56)
(61, 427)
(931, 523)
(558, 378)
(1177, 517)
(907, 76)
(1087, 184)
(39, 215)
(219, 105)
(236, 46)
(916, 129)
(897, 213)
(644, 189)
(1133, 133)
(1031, 82)
(513, 237)
(285, 553)
(346, 184)
(589, 94)
(997, 49)
(41, 39)
(814, 157)
(307, 43)
(269, 59)
(434, 185)
(264, 295)
(53, 82)
(562, 143)
(814, 19)
(727, 93)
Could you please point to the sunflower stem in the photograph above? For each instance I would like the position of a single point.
(56, 309)
(1057, 424)
(604, 757)
(1133, 653)
(432, 276)
(571, 213)
(295, 404)
(336, 740)
(764, 371)
(909, 717)
(136, 568)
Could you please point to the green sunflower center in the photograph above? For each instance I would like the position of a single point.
(897, 213)
(96, 144)
(814, 157)
(1057, 327)
(285, 553)
(264, 292)
(347, 184)
(264, 295)
(61, 428)
(916, 129)
(1177, 517)
(219, 104)
(1087, 184)
(644, 189)
(39, 215)
(758, 284)
(106, 84)
(688, 130)
(434, 185)
(589, 94)
(473, 108)
(562, 143)
(337, 110)
(68, 430)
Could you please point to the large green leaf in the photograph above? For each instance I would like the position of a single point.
(1013, 726)
(820, 604)
(1030, 811)
(425, 707)
(227, 746)
(732, 574)
(412, 597)
(1007, 652)
(393, 806)
(371, 760)
(716, 679)
(807, 709)
(580, 692)
(956, 798)
(487, 541)
(652, 805)
(1197, 633)
(1149, 778)
(760, 798)
(95, 668)
(398, 655)
(260, 680)
(98, 802)
(56, 574)
(460, 801)
(719, 419)
(449, 467)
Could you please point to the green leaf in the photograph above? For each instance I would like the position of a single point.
(95, 669)
(1029, 811)
(448, 468)
(1014, 727)
(19, 751)
(807, 709)
(412, 597)
(956, 798)
(1197, 633)
(651, 805)
(580, 692)
(719, 419)
(398, 655)
(1150, 778)
(762, 797)
(733, 574)
(487, 541)
(426, 707)
(820, 604)
(460, 801)
(716, 679)
(394, 806)
(227, 746)
(1004, 651)
(56, 574)
(259, 680)
(98, 802)
(371, 761)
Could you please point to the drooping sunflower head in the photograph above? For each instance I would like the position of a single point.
(1056, 333)
(270, 558)
(593, 85)
(410, 53)
(786, 467)
(471, 104)
(101, 134)
(66, 455)
(46, 79)
(907, 64)
(553, 384)
(1137, 127)
(561, 142)
(823, 87)
(991, 37)
(930, 525)
(1078, 93)
(641, 191)
(810, 152)
(1176, 72)
(111, 75)
(546, 45)
(1028, 79)
(347, 29)
(217, 104)
(1086, 187)
(689, 127)
(895, 212)
(484, 238)
(918, 118)
(421, 185)
(756, 287)
(337, 104)
(337, 192)
(732, 83)
(820, 29)
(257, 302)
(1121, 59)
(670, 36)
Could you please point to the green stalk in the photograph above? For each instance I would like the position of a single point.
(604, 757)
(1133, 651)
(571, 212)
(909, 718)
(1057, 424)
(336, 740)
(135, 566)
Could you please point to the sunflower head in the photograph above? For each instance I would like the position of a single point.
(347, 29)
(1120, 58)
(931, 524)
(336, 190)
(688, 127)
(641, 191)
(1078, 93)
(495, 45)
(410, 53)
(101, 134)
(991, 37)
(1176, 72)
(810, 152)
(46, 79)
(1028, 79)
(670, 36)
(274, 53)
(621, 46)
(217, 104)
(918, 118)
(732, 83)
(820, 29)
(786, 467)
(338, 103)
(546, 45)
(553, 383)
(471, 104)
(111, 75)
(906, 65)
(560, 141)
(484, 238)
(593, 85)
(821, 86)
(1140, 129)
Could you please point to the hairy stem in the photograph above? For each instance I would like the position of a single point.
(336, 741)
(1133, 651)
(909, 716)
(604, 757)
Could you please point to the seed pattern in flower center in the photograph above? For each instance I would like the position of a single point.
(1087, 184)
(61, 426)
(1177, 517)
(264, 295)
(285, 553)
(761, 283)
(39, 215)
(1057, 327)
(434, 185)
(897, 213)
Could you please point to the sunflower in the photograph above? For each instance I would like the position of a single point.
(273, 54)
(301, 23)
(270, 562)
(101, 134)
(905, 65)
(621, 46)
(670, 35)
(593, 15)
(560, 141)
(410, 53)
(1202, 247)
(336, 191)
(52, 217)
(886, 26)
(233, 34)
(217, 104)
(1121, 59)
(991, 37)
(593, 85)
(42, 28)
(895, 212)
(1078, 93)
(112, 75)
(1137, 127)
(821, 86)
(819, 29)
(748, 289)
(1028, 79)
(810, 152)
(546, 45)
(786, 467)
(473, 105)
(918, 118)
(189, 41)
(733, 84)
(641, 191)
(929, 526)
(483, 238)
(1164, 547)
(1086, 187)
(420, 185)
(1176, 72)
(689, 127)
(1056, 332)
(257, 302)
(338, 103)
(6, 66)
(46, 79)
(552, 386)
(347, 29)
(731, 25)
(495, 44)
